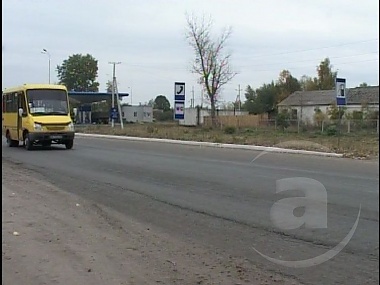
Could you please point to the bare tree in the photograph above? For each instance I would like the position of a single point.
(211, 62)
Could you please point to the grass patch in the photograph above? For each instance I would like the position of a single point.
(357, 144)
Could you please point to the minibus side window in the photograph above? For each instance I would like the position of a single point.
(4, 100)
(6, 103)
(11, 104)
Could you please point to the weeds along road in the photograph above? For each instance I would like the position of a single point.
(217, 205)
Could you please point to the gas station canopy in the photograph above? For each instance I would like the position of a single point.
(91, 97)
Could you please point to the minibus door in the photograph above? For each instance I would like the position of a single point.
(20, 112)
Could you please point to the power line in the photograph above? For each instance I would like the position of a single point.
(312, 49)
(160, 75)
(308, 60)
(150, 67)
(305, 66)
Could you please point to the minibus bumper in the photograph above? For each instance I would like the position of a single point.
(57, 136)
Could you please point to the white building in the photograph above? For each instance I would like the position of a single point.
(303, 104)
(134, 114)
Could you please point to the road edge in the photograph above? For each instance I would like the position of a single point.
(216, 145)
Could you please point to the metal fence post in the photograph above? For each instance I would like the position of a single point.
(323, 125)
(377, 126)
(348, 126)
(298, 125)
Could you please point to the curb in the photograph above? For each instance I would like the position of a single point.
(219, 145)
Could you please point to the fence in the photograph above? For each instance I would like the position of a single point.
(326, 126)
(243, 121)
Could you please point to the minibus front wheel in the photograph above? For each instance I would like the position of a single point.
(69, 144)
(27, 142)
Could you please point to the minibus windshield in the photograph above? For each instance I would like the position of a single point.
(47, 102)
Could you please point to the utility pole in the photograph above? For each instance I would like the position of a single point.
(238, 97)
(300, 118)
(119, 105)
(192, 99)
(114, 86)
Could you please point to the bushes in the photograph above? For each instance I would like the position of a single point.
(331, 130)
(319, 117)
(372, 115)
(229, 130)
(283, 119)
(334, 112)
(163, 115)
(151, 130)
(357, 115)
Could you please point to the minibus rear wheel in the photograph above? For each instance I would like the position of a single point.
(10, 142)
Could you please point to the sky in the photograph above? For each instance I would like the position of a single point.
(148, 38)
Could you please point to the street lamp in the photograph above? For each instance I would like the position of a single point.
(44, 51)
(130, 94)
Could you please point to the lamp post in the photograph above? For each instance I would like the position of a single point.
(44, 51)
(130, 94)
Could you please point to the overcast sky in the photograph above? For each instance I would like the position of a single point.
(147, 36)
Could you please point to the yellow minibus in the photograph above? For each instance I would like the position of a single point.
(37, 114)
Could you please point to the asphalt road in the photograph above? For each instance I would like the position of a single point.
(222, 200)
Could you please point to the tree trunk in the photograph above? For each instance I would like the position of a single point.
(213, 113)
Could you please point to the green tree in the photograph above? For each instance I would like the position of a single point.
(364, 84)
(326, 77)
(150, 103)
(161, 103)
(109, 86)
(308, 83)
(79, 73)
(265, 100)
(211, 62)
(287, 85)
(250, 93)
(250, 96)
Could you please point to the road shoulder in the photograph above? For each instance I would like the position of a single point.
(53, 237)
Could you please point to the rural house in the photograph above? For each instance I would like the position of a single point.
(303, 104)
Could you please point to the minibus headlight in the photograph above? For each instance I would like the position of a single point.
(71, 127)
(37, 127)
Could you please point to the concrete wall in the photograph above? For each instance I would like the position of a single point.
(191, 115)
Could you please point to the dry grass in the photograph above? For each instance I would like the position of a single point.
(363, 144)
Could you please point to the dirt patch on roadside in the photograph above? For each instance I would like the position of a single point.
(53, 237)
